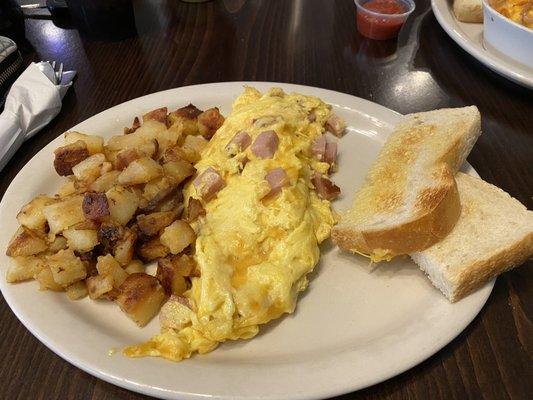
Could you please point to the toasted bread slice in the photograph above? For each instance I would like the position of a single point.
(409, 200)
(494, 234)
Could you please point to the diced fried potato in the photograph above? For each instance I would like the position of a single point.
(168, 138)
(153, 249)
(134, 266)
(151, 224)
(170, 203)
(192, 147)
(81, 240)
(46, 280)
(68, 156)
(77, 290)
(31, 215)
(109, 234)
(159, 115)
(25, 242)
(105, 182)
(94, 143)
(195, 209)
(106, 167)
(63, 214)
(24, 268)
(142, 170)
(59, 243)
(185, 265)
(171, 280)
(66, 267)
(209, 121)
(178, 236)
(134, 126)
(86, 224)
(88, 170)
(175, 313)
(95, 206)
(156, 191)
(123, 204)
(141, 297)
(125, 247)
(186, 118)
(107, 265)
(99, 285)
(149, 148)
(179, 170)
(172, 154)
(67, 189)
(126, 157)
(146, 132)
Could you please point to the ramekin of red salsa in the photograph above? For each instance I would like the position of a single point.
(382, 19)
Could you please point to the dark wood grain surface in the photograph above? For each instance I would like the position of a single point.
(310, 42)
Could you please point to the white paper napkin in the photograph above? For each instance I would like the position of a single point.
(32, 102)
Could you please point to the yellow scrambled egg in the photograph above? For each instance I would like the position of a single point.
(253, 253)
(520, 11)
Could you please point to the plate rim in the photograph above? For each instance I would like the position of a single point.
(441, 9)
(71, 358)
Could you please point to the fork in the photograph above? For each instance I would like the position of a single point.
(58, 73)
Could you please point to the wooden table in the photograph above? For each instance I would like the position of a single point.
(311, 42)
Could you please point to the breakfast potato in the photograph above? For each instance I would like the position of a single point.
(95, 206)
(132, 141)
(66, 267)
(134, 126)
(159, 115)
(209, 121)
(134, 266)
(94, 143)
(123, 203)
(124, 248)
(58, 243)
(139, 171)
(99, 285)
(25, 242)
(141, 297)
(195, 209)
(185, 265)
(66, 157)
(31, 215)
(152, 224)
(179, 170)
(46, 280)
(81, 240)
(185, 119)
(149, 148)
(192, 147)
(126, 157)
(89, 169)
(153, 249)
(168, 274)
(63, 214)
(67, 189)
(109, 234)
(168, 138)
(170, 203)
(105, 182)
(107, 265)
(77, 290)
(24, 268)
(156, 191)
(178, 236)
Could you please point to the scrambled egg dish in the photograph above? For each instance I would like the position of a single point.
(262, 181)
(520, 11)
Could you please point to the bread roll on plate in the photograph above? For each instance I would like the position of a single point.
(468, 10)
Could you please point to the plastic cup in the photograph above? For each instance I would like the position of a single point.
(380, 26)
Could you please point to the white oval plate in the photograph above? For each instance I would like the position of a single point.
(470, 37)
(351, 329)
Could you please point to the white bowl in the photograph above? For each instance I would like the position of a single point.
(507, 36)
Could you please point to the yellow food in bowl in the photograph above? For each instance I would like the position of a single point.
(519, 11)
(253, 249)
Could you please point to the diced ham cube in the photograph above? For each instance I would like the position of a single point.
(240, 142)
(277, 179)
(330, 155)
(265, 145)
(325, 189)
(335, 125)
(208, 183)
(319, 148)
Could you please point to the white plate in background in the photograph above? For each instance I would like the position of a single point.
(470, 37)
(351, 328)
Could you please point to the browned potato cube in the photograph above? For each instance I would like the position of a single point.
(156, 191)
(178, 236)
(141, 297)
(125, 158)
(81, 240)
(150, 148)
(134, 126)
(31, 215)
(151, 224)
(67, 189)
(185, 119)
(179, 170)
(109, 234)
(123, 204)
(153, 249)
(125, 247)
(159, 115)
(192, 148)
(66, 267)
(185, 265)
(46, 280)
(58, 243)
(209, 121)
(25, 242)
(141, 170)
(134, 266)
(195, 209)
(89, 169)
(77, 290)
(107, 265)
(95, 206)
(64, 214)
(95, 144)
(24, 268)
(171, 280)
(99, 285)
(68, 156)
(105, 182)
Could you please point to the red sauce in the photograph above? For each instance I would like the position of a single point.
(380, 27)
